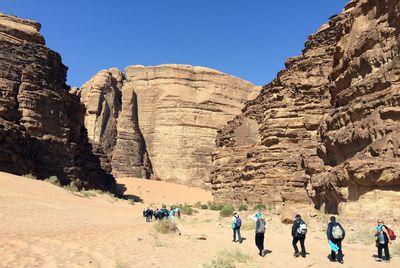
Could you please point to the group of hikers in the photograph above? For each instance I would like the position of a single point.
(335, 234)
(162, 213)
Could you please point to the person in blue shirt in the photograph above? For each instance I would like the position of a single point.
(382, 241)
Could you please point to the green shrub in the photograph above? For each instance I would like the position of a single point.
(165, 227)
(242, 207)
(227, 211)
(215, 206)
(186, 210)
(228, 259)
(71, 187)
(204, 206)
(260, 207)
(53, 180)
(30, 176)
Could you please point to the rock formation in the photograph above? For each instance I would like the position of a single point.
(326, 130)
(41, 124)
(162, 120)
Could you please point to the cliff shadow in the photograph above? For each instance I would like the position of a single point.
(121, 189)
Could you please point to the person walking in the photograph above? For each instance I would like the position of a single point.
(382, 241)
(299, 230)
(260, 232)
(335, 233)
(236, 224)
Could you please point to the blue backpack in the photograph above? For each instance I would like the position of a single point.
(238, 222)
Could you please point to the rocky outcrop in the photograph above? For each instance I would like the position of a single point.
(162, 120)
(326, 129)
(360, 138)
(41, 124)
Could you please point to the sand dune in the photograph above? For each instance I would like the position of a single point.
(42, 225)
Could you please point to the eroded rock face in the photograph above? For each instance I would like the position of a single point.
(328, 124)
(41, 124)
(360, 138)
(166, 116)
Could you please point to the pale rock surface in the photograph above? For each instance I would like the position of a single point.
(162, 120)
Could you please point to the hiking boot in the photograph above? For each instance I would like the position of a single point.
(303, 254)
(341, 262)
(378, 259)
(296, 254)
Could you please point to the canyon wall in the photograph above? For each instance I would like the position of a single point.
(164, 117)
(326, 130)
(41, 123)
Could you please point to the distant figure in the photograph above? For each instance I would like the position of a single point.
(299, 230)
(236, 224)
(171, 214)
(178, 212)
(382, 241)
(335, 234)
(148, 214)
(156, 214)
(260, 231)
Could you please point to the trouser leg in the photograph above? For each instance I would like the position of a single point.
(380, 247)
(294, 243)
(303, 248)
(387, 254)
(238, 233)
(340, 253)
(234, 235)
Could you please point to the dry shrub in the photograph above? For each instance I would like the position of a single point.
(165, 227)
(227, 211)
(229, 259)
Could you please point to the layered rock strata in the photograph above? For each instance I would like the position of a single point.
(41, 124)
(165, 117)
(326, 129)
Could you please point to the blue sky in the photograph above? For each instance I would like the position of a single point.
(247, 38)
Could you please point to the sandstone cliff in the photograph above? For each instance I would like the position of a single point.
(327, 128)
(41, 124)
(162, 120)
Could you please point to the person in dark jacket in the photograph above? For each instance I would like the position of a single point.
(382, 241)
(299, 230)
(335, 233)
(260, 232)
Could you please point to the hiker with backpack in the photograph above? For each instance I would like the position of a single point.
(299, 230)
(260, 231)
(384, 236)
(335, 234)
(236, 224)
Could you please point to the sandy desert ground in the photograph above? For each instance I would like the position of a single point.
(42, 225)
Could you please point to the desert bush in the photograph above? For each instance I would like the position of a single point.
(195, 211)
(30, 176)
(242, 207)
(186, 210)
(88, 193)
(248, 225)
(215, 206)
(260, 207)
(165, 227)
(53, 180)
(226, 211)
(71, 187)
(197, 204)
(204, 206)
(228, 259)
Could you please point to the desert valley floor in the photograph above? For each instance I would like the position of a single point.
(42, 225)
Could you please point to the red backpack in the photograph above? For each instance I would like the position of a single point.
(391, 234)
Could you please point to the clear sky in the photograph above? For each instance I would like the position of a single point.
(247, 38)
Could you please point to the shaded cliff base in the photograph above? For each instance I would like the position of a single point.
(44, 225)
